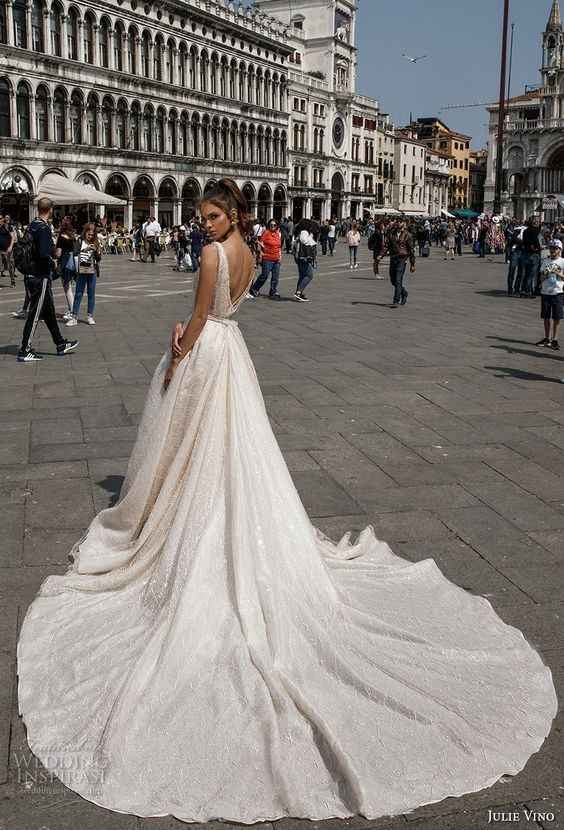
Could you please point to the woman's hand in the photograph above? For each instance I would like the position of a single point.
(169, 374)
(175, 346)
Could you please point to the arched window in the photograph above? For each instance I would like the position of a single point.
(119, 45)
(233, 144)
(258, 89)
(283, 149)
(214, 73)
(243, 143)
(22, 109)
(195, 126)
(215, 139)
(121, 125)
(5, 130)
(148, 128)
(160, 132)
(223, 78)
(250, 85)
(72, 34)
(56, 28)
(302, 137)
(19, 15)
(204, 70)
(224, 140)
(170, 58)
(76, 117)
(88, 38)
(132, 50)
(233, 80)
(104, 42)
(171, 133)
(267, 88)
(37, 43)
(242, 81)
(252, 146)
(182, 60)
(135, 127)
(260, 146)
(205, 148)
(183, 135)
(59, 116)
(193, 68)
(107, 121)
(268, 147)
(158, 58)
(92, 121)
(276, 148)
(3, 24)
(321, 140)
(296, 137)
(146, 54)
(42, 114)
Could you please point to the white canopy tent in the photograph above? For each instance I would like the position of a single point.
(446, 213)
(65, 192)
(386, 212)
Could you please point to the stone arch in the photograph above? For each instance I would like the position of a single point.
(17, 188)
(168, 196)
(143, 193)
(191, 194)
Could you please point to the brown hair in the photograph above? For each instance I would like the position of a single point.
(90, 227)
(227, 196)
(67, 226)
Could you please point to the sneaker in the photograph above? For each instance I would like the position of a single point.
(91, 320)
(301, 297)
(249, 296)
(67, 346)
(555, 345)
(404, 298)
(544, 342)
(67, 315)
(28, 357)
(72, 321)
(275, 297)
(356, 266)
(20, 314)
(352, 267)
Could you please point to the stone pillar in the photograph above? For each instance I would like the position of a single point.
(111, 35)
(129, 214)
(177, 219)
(9, 23)
(99, 132)
(155, 211)
(13, 115)
(80, 44)
(64, 24)
(96, 45)
(32, 118)
(113, 118)
(50, 125)
(68, 125)
(151, 58)
(102, 211)
(28, 36)
(83, 125)
(174, 67)
(46, 32)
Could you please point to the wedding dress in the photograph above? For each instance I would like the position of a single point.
(211, 655)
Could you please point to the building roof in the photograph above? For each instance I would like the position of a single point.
(555, 19)
(406, 137)
(527, 97)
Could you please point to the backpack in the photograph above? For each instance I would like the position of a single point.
(24, 253)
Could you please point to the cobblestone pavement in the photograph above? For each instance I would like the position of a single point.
(440, 423)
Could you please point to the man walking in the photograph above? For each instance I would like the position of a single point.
(376, 245)
(531, 257)
(400, 248)
(8, 239)
(38, 286)
(271, 255)
(152, 234)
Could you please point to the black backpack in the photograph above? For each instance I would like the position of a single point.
(24, 254)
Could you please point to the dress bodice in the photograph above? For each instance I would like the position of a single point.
(222, 306)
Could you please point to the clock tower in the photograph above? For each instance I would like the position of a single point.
(553, 49)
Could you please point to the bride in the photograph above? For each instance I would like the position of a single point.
(211, 655)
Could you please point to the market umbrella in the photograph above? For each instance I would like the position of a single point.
(63, 191)
(466, 213)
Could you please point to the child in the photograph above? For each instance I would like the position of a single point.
(552, 293)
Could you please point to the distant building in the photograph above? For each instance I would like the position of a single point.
(341, 147)
(435, 135)
(409, 180)
(478, 172)
(533, 152)
(437, 177)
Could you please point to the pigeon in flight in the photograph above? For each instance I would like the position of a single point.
(414, 60)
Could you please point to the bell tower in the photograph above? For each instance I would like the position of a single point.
(553, 48)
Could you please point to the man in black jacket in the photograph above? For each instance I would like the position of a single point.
(38, 287)
(400, 248)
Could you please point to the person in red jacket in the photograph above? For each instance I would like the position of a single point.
(271, 242)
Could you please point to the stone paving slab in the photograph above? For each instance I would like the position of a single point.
(449, 452)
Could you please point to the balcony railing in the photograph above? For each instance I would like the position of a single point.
(540, 124)
(304, 78)
(299, 183)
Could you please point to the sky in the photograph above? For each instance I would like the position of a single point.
(463, 41)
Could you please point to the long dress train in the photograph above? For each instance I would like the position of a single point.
(212, 655)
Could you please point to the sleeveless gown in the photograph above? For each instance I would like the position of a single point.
(210, 654)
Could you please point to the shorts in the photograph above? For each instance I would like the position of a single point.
(552, 306)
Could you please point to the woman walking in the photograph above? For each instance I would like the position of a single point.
(353, 241)
(305, 255)
(66, 250)
(88, 271)
(450, 241)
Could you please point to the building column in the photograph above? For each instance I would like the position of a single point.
(155, 211)
(96, 45)
(80, 44)
(174, 67)
(13, 115)
(83, 125)
(151, 58)
(29, 38)
(32, 118)
(111, 36)
(46, 32)
(178, 212)
(68, 125)
(99, 132)
(64, 24)
(9, 23)
(129, 214)
(50, 125)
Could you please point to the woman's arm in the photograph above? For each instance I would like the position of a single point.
(206, 286)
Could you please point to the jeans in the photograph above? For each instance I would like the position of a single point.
(458, 245)
(331, 243)
(83, 281)
(150, 248)
(353, 251)
(323, 243)
(515, 273)
(269, 269)
(7, 264)
(195, 254)
(305, 270)
(482, 247)
(397, 277)
(531, 267)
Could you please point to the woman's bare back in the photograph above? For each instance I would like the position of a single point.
(241, 263)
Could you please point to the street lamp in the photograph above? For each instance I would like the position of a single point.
(501, 111)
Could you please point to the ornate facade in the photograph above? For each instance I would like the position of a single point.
(533, 151)
(341, 151)
(148, 102)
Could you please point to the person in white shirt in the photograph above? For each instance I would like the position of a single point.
(305, 254)
(332, 237)
(552, 294)
(152, 231)
(353, 241)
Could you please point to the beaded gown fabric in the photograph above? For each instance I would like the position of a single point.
(211, 655)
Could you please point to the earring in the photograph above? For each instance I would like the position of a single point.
(234, 222)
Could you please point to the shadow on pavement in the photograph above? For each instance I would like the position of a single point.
(365, 302)
(519, 374)
(9, 349)
(544, 353)
(113, 485)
